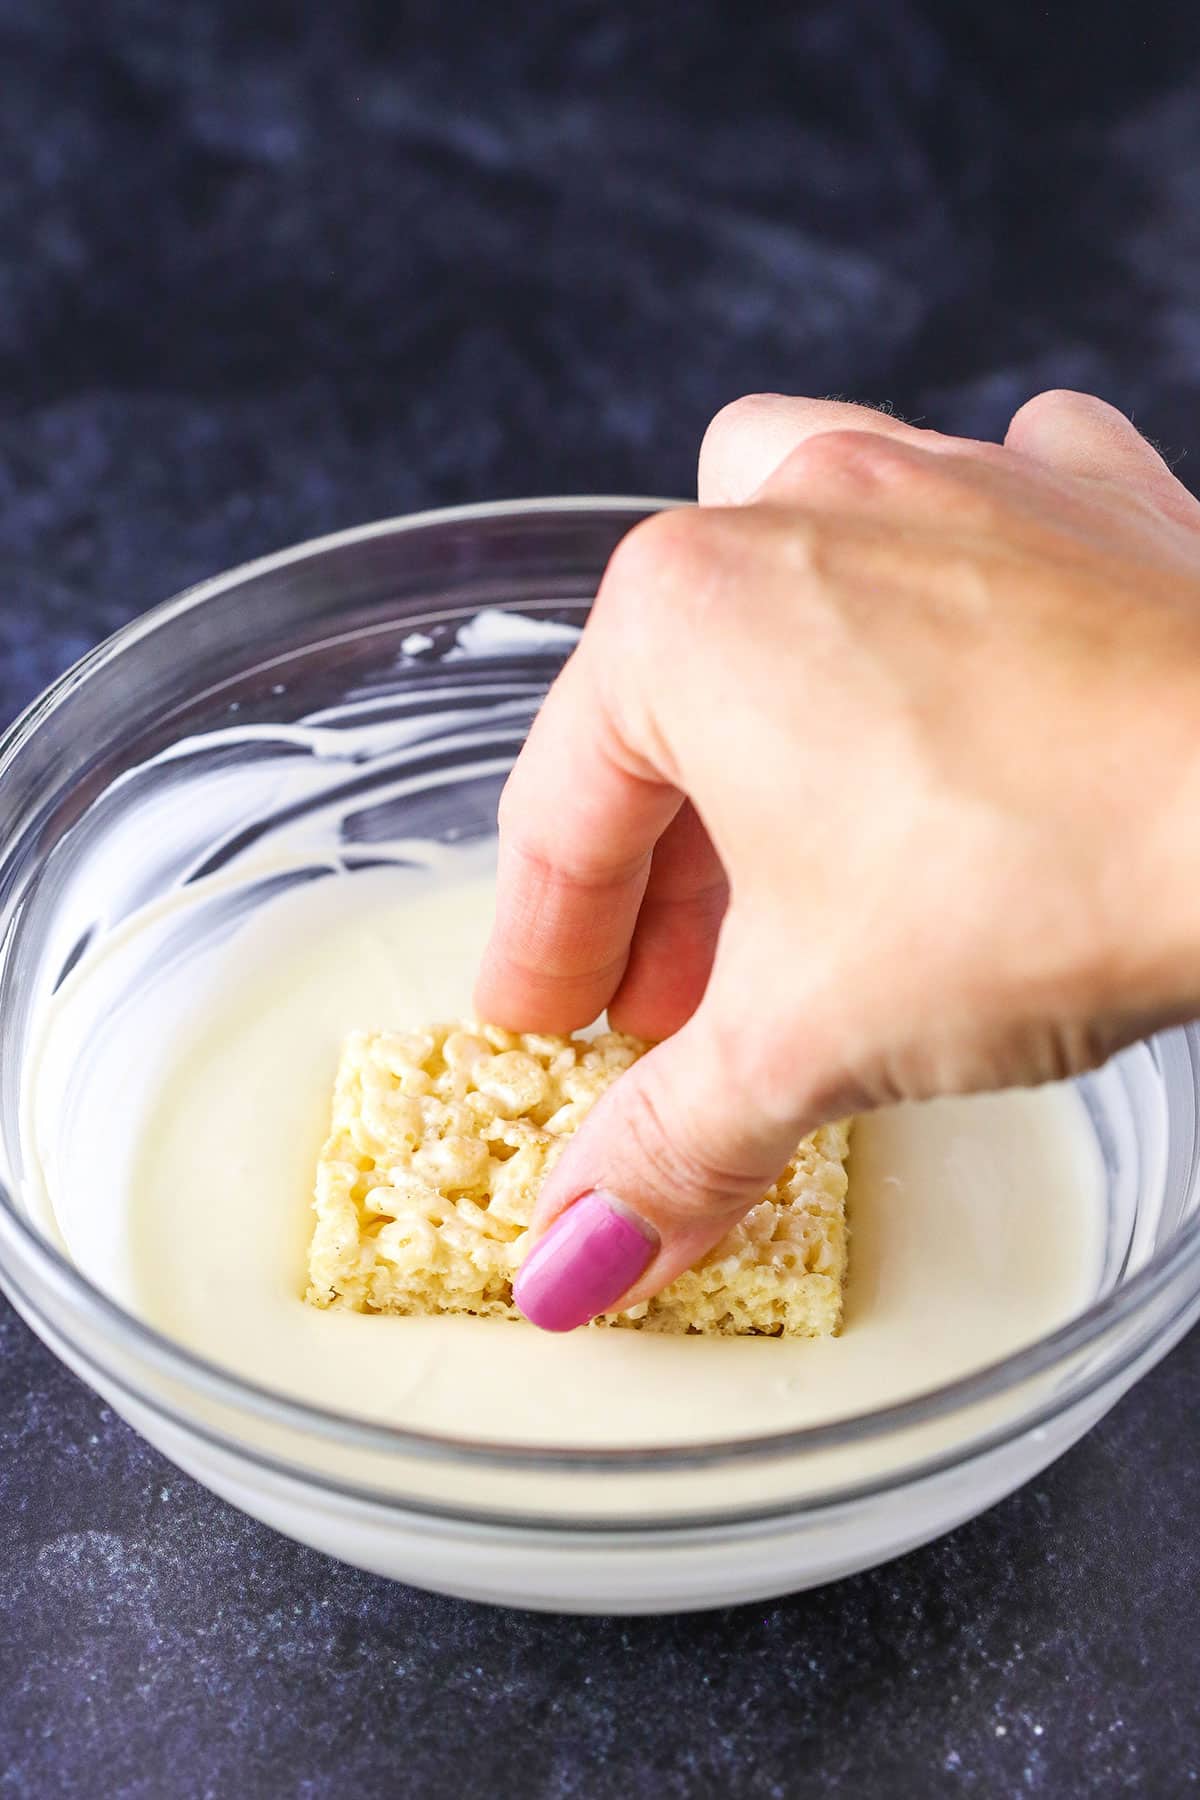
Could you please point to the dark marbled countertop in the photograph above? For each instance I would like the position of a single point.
(269, 269)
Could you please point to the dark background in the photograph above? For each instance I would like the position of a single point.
(267, 269)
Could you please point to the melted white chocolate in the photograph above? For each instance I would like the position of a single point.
(977, 1224)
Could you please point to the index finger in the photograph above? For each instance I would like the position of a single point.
(578, 826)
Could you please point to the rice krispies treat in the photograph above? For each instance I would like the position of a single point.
(440, 1141)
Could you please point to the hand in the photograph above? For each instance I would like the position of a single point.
(874, 777)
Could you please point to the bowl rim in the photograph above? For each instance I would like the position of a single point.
(166, 1357)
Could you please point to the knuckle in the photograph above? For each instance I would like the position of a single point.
(664, 565)
(666, 1143)
(1057, 406)
(731, 424)
(1051, 399)
(843, 457)
(782, 1075)
(651, 555)
(840, 465)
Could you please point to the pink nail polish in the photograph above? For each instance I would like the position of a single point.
(589, 1256)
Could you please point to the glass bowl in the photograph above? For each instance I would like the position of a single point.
(372, 686)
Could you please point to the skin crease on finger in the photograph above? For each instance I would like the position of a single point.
(930, 709)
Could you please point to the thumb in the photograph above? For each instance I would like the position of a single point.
(667, 1162)
(1079, 434)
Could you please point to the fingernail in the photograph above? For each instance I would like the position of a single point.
(587, 1259)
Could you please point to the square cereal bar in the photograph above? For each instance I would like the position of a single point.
(440, 1141)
